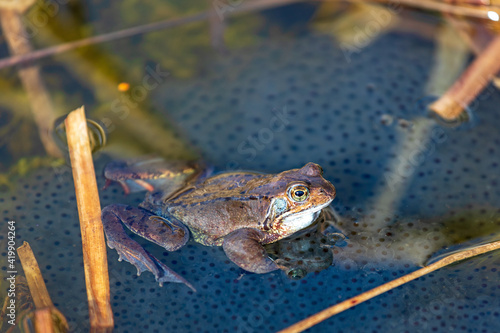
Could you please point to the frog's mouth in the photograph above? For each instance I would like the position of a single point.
(298, 221)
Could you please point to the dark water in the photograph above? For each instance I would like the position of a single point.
(275, 105)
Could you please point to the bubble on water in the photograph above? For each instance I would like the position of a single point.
(386, 119)
(296, 273)
(335, 239)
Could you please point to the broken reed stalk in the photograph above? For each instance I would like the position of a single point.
(351, 302)
(47, 317)
(89, 211)
(43, 321)
(484, 68)
(34, 277)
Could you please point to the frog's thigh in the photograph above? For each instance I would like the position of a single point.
(244, 248)
(168, 233)
(112, 217)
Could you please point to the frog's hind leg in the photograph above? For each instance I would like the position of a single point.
(151, 173)
(169, 234)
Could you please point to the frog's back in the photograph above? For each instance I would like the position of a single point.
(221, 204)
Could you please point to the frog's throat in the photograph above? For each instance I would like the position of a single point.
(299, 221)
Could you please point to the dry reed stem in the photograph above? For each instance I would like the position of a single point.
(351, 302)
(487, 64)
(43, 321)
(41, 104)
(46, 315)
(38, 290)
(89, 212)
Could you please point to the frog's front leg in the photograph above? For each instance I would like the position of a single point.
(169, 234)
(244, 248)
(150, 173)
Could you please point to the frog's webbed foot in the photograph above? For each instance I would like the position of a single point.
(144, 224)
(150, 173)
(244, 248)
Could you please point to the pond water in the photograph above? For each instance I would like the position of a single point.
(284, 89)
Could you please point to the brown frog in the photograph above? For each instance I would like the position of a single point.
(240, 211)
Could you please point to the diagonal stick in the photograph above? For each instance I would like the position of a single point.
(351, 302)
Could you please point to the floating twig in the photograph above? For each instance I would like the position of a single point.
(89, 211)
(19, 44)
(47, 318)
(351, 302)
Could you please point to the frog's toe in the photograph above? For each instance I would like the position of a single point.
(145, 261)
(168, 275)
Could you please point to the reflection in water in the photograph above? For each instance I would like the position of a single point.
(96, 131)
(309, 250)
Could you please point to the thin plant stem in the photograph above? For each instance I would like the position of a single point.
(169, 23)
(351, 302)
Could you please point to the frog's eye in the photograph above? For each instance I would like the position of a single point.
(298, 193)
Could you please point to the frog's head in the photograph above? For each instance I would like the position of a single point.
(300, 195)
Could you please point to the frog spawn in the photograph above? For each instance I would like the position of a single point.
(307, 251)
(219, 282)
(336, 123)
